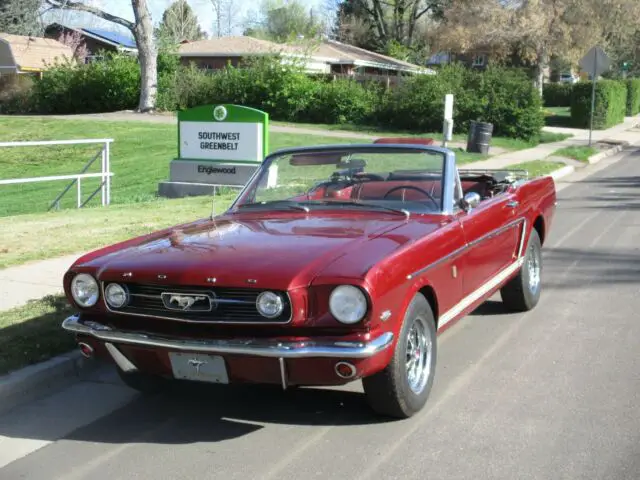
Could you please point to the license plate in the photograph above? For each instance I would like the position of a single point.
(198, 367)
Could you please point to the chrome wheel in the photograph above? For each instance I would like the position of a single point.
(533, 267)
(418, 358)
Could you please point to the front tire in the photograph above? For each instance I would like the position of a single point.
(522, 293)
(402, 388)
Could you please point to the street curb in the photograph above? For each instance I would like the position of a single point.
(562, 172)
(607, 153)
(35, 381)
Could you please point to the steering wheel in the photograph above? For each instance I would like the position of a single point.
(412, 187)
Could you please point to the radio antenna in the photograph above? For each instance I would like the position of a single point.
(213, 204)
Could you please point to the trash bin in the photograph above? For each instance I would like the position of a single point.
(479, 138)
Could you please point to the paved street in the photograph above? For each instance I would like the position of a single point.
(551, 394)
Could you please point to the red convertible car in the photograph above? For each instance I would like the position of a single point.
(334, 264)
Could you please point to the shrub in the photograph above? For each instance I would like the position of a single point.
(557, 94)
(16, 94)
(610, 104)
(102, 86)
(503, 97)
(340, 102)
(633, 97)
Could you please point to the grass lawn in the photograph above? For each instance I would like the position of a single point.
(32, 333)
(501, 142)
(47, 235)
(581, 153)
(537, 168)
(558, 117)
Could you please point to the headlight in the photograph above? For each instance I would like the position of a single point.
(348, 304)
(116, 296)
(84, 290)
(269, 304)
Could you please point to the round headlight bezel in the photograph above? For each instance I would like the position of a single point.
(277, 297)
(89, 301)
(124, 291)
(359, 297)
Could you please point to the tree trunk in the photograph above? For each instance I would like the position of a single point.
(147, 56)
(542, 63)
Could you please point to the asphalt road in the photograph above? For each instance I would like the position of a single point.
(551, 394)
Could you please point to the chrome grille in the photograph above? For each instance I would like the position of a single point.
(230, 305)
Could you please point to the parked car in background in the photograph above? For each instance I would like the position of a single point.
(568, 78)
(334, 264)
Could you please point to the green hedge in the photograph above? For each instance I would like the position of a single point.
(610, 104)
(506, 98)
(633, 97)
(557, 94)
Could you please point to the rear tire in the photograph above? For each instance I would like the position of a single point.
(522, 293)
(402, 388)
(143, 382)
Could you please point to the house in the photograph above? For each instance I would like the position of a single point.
(478, 59)
(95, 39)
(326, 56)
(29, 55)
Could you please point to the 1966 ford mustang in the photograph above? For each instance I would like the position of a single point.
(333, 264)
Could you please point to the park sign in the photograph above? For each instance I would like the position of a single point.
(218, 145)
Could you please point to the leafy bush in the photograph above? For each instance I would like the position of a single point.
(505, 98)
(610, 104)
(111, 84)
(16, 94)
(557, 94)
(633, 97)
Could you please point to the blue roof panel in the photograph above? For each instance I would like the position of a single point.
(114, 37)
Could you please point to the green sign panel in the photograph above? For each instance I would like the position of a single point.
(223, 134)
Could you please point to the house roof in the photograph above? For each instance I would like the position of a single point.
(109, 37)
(34, 53)
(349, 54)
(329, 51)
(233, 46)
(114, 38)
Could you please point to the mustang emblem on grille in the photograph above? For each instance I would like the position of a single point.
(187, 303)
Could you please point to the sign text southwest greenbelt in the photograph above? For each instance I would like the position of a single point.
(232, 140)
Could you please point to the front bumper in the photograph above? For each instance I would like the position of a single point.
(252, 347)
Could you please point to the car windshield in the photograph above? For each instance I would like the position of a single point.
(394, 179)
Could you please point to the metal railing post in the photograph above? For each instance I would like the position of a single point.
(79, 202)
(108, 170)
(103, 167)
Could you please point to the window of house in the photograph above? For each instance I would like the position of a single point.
(479, 60)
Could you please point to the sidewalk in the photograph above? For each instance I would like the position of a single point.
(32, 281)
(619, 133)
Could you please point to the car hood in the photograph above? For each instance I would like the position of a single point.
(281, 253)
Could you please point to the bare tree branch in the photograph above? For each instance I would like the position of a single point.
(93, 10)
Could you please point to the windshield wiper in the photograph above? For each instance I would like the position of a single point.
(276, 204)
(364, 205)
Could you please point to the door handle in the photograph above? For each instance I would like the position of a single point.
(512, 204)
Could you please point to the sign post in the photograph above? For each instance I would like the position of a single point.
(218, 145)
(447, 128)
(595, 62)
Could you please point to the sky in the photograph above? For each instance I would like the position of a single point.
(122, 8)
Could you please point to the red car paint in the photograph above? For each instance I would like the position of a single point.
(450, 258)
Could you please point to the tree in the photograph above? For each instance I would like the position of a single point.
(179, 23)
(20, 17)
(281, 21)
(142, 30)
(538, 29)
(388, 24)
(225, 15)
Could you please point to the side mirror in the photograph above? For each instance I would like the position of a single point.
(470, 200)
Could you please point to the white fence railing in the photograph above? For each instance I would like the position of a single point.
(105, 171)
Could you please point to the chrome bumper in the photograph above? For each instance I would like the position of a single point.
(254, 347)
